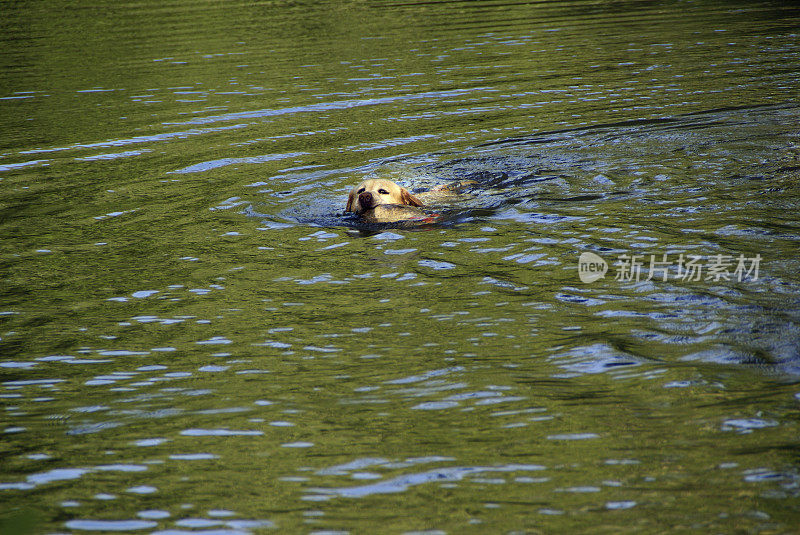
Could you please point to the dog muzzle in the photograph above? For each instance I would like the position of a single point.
(366, 200)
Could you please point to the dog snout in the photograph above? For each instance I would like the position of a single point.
(366, 200)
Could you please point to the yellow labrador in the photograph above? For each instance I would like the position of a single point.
(383, 201)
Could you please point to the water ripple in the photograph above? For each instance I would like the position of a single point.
(403, 483)
(329, 106)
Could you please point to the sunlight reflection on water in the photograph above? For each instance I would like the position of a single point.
(196, 337)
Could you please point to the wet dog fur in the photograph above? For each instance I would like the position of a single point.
(384, 201)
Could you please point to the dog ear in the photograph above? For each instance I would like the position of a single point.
(351, 200)
(408, 199)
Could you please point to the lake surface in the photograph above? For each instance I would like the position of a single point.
(601, 336)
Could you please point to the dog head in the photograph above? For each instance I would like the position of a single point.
(372, 193)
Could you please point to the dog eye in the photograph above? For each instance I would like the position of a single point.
(383, 191)
(361, 190)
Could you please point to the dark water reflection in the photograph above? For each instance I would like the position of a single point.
(195, 339)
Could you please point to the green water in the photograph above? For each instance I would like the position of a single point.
(195, 339)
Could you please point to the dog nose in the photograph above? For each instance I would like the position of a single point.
(366, 200)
